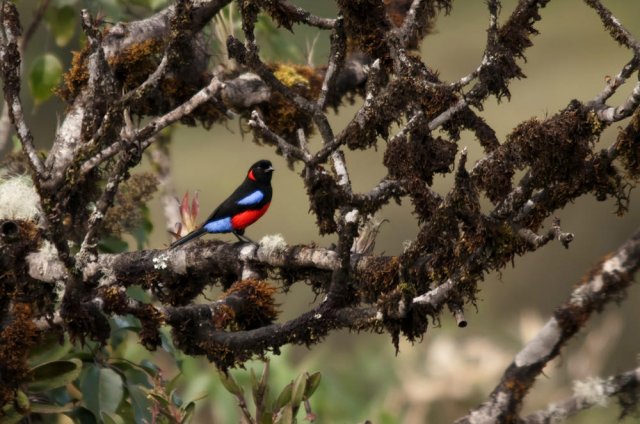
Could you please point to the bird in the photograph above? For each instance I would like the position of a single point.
(242, 208)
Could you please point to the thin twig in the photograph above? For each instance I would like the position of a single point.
(617, 31)
(615, 82)
(288, 150)
(615, 114)
(10, 63)
(301, 15)
(602, 285)
(336, 61)
(587, 394)
(144, 135)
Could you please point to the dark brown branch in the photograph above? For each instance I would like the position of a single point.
(288, 150)
(229, 348)
(302, 16)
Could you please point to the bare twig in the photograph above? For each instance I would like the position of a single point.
(35, 23)
(144, 136)
(587, 394)
(336, 61)
(118, 175)
(614, 26)
(10, 62)
(614, 114)
(23, 42)
(615, 82)
(289, 151)
(603, 284)
(458, 313)
(494, 9)
(301, 15)
(554, 233)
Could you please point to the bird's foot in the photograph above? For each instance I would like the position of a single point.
(242, 238)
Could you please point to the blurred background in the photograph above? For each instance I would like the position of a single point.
(452, 369)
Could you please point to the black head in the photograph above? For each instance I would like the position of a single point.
(260, 171)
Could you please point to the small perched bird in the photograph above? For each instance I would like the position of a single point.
(244, 207)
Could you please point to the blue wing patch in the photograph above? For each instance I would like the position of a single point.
(252, 199)
(222, 225)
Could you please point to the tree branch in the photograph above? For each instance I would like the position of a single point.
(605, 283)
(10, 64)
(587, 394)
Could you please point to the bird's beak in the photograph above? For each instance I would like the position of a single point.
(269, 169)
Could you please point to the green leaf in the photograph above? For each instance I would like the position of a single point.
(274, 43)
(110, 418)
(82, 415)
(10, 415)
(62, 21)
(260, 390)
(21, 401)
(297, 395)
(54, 374)
(140, 402)
(255, 385)
(266, 418)
(313, 381)
(103, 390)
(283, 398)
(175, 397)
(41, 408)
(187, 411)
(151, 368)
(134, 373)
(286, 415)
(172, 384)
(49, 350)
(125, 322)
(45, 75)
(230, 383)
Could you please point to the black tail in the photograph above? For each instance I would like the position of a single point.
(192, 235)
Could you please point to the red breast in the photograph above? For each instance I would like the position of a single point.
(246, 218)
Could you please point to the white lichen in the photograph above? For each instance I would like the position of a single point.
(271, 245)
(352, 216)
(19, 199)
(247, 252)
(541, 345)
(553, 414)
(161, 261)
(591, 391)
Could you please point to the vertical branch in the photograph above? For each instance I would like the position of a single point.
(10, 64)
(336, 61)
